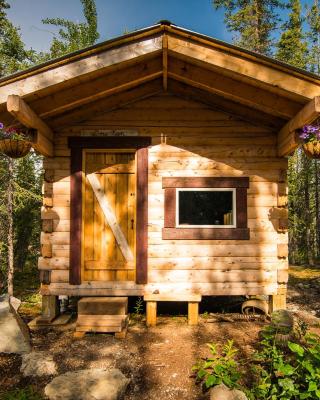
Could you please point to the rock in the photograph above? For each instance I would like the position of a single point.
(38, 364)
(222, 392)
(88, 384)
(14, 333)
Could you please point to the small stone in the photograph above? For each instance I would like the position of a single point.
(222, 392)
(38, 364)
(88, 384)
(300, 285)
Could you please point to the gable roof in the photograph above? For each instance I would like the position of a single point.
(160, 58)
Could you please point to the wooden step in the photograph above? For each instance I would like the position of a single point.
(103, 306)
(101, 320)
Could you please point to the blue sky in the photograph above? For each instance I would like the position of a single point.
(116, 16)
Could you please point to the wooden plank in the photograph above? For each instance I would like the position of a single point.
(282, 250)
(205, 233)
(276, 78)
(142, 217)
(151, 313)
(197, 250)
(169, 209)
(42, 140)
(242, 209)
(109, 103)
(50, 309)
(172, 297)
(234, 89)
(212, 276)
(103, 94)
(24, 114)
(101, 320)
(64, 71)
(193, 313)
(220, 89)
(46, 250)
(199, 182)
(110, 217)
(278, 301)
(68, 96)
(165, 61)
(309, 113)
(241, 111)
(42, 144)
(75, 216)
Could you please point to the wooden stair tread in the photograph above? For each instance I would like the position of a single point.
(101, 320)
(103, 306)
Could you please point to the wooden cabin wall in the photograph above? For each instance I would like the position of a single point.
(199, 142)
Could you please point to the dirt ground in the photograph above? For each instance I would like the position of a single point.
(158, 360)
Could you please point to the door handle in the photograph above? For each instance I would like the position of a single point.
(132, 224)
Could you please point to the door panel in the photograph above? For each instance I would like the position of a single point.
(109, 216)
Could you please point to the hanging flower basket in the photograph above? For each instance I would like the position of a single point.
(15, 148)
(309, 137)
(312, 149)
(14, 142)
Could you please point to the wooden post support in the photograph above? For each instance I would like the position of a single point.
(193, 313)
(151, 313)
(50, 309)
(278, 301)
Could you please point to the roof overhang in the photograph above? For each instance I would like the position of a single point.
(159, 59)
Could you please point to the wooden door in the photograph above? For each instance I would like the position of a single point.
(109, 201)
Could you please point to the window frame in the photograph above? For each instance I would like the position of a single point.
(173, 231)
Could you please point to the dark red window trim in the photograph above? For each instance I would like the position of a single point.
(170, 231)
(77, 144)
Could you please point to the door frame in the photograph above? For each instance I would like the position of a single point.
(137, 143)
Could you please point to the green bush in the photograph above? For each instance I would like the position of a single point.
(290, 371)
(219, 368)
(21, 394)
(280, 370)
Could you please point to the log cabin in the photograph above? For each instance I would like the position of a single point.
(165, 157)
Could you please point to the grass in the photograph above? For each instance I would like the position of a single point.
(26, 393)
(26, 288)
(303, 273)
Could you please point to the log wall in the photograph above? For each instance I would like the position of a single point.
(198, 141)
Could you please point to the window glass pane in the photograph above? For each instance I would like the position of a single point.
(199, 207)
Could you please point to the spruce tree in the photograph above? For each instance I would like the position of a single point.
(13, 55)
(313, 19)
(292, 47)
(253, 21)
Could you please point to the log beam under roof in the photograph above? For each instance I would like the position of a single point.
(107, 104)
(165, 62)
(42, 142)
(287, 141)
(231, 89)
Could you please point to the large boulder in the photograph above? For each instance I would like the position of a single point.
(88, 384)
(38, 364)
(14, 334)
(222, 392)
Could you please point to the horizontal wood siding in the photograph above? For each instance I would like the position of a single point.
(196, 142)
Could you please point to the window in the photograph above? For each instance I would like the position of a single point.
(205, 208)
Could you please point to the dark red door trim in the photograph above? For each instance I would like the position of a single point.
(77, 144)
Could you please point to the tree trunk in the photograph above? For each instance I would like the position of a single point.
(307, 211)
(317, 206)
(10, 227)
